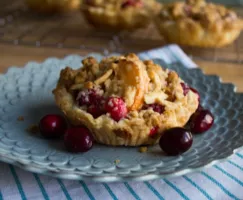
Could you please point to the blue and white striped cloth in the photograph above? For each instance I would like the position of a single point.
(221, 182)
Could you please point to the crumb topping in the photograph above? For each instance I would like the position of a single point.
(206, 14)
(138, 83)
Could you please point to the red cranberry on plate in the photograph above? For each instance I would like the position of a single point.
(175, 141)
(116, 107)
(78, 139)
(201, 121)
(52, 126)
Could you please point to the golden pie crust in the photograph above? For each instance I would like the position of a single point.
(197, 23)
(138, 83)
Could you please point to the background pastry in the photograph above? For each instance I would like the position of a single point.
(119, 14)
(197, 23)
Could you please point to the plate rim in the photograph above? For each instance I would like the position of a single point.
(114, 178)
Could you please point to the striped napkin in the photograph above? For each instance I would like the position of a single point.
(221, 182)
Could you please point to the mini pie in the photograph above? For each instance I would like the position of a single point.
(197, 23)
(53, 6)
(123, 100)
(119, 14)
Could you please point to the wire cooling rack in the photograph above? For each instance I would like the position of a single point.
(19, 26)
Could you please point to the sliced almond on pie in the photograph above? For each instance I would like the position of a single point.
(77, 86)
(104, 77)
(153, 97)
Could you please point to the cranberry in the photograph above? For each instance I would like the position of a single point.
(188, 10)
(88, 97)
(128, 3)
(196, 92)
(89, 2)
(52, 126)
(156, 107)
(175, 141)
(153, 131)
(78, 139)
(201, 121)
(185, 88)
(116, 107)
(95, 110)
(199, 108)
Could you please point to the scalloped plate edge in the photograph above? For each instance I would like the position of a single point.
(71, 176)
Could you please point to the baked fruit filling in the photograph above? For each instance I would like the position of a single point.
(129, 100)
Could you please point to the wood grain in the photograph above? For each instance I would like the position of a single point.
(11, 55)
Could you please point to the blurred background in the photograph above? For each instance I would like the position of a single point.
(225, 2)
(20, 26)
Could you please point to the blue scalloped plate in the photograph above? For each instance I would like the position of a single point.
(27, 92)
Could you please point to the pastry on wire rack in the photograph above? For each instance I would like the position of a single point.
(198, 23)
(119, 14)
(53, 6)
(123, 100)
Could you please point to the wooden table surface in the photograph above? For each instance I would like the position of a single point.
(11, 55)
